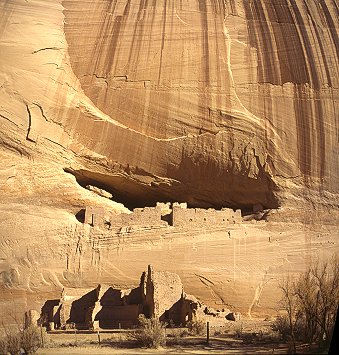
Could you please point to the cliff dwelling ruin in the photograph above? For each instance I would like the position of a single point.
(241, 192)
(162, 215)
(160, 294)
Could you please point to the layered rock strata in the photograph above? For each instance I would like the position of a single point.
(229, 103)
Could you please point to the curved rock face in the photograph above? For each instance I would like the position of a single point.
(212, 102)
(223, 103)
(231, 93)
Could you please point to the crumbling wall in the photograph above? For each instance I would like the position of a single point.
(118, 308)
(160, 294)
(50, 314)
(199, 217)
(77, 308)
(148, 216)
(124, 316)
(161, 216)
(94, 216)
(161, 290)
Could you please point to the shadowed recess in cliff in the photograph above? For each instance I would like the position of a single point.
(227, 190)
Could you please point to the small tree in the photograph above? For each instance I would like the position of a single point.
(311, 304)
(286, 325)
(318, 294)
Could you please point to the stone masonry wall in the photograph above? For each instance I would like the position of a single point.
(94, 216)
(198, 217)
(161, 290)
(178, 216)
(148, 216)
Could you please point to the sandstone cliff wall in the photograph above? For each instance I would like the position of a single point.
(216, 103)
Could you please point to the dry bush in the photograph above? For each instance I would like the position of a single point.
(197, 327)
(282, 326)
(311, 304)
(28, 339)
(151, 334)
(217, 333)
(12, 342)
(3, 346)
(32, 338)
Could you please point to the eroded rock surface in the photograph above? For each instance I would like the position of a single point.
(227, 103)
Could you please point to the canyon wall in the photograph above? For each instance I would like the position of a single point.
(217, 103)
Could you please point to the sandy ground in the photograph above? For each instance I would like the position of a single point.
(198, 346)
(222, 341)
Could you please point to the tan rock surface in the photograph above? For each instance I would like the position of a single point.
(217, 103)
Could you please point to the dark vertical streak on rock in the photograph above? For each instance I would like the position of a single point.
(290, 50)
(233, 8)
(205, 45)
(127, 8)
(292, 66)
(137, 36)
(313, 77)
(315, 83)
(281, 21)
(113, 44)
(164, 19)
(250, 24)
(320, 43)
(319, 117)
(303, 132)
(267, 72)
(331, 25)
(151, 29)
(100, 43)
(297, 63)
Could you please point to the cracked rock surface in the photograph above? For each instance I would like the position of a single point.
(217, 103)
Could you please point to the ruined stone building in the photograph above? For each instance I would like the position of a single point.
(159, 294)
(199, 217)
(161, 216)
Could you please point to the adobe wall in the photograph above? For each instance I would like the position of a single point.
(115, 316)
(148, 216)
(162, 215)
(198, 217)
(161, 290)
(94, 216)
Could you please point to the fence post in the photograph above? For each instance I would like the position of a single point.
(99, 340)
(208, 333)
(76, 337)
(42, 337)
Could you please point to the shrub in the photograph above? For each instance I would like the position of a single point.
(12, 340)
(28, 339)
(3, 346)
(282, 326)
(197, 327)
(152, 332)
(32, 338)
(217, 333)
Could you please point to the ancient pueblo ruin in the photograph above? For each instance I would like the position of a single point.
(226, 109)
